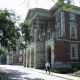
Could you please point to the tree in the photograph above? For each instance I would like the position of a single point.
(25, 29)
(66, 4)
(10, 30)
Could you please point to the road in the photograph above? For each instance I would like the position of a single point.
(21, 73)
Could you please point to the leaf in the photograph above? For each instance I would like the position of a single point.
(68, 7)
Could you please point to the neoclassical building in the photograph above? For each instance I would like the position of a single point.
(56, 37)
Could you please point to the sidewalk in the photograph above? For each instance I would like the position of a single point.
(65, 76)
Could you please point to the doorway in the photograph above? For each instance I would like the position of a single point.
(49, 54)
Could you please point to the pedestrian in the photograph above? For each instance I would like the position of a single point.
(47, 66)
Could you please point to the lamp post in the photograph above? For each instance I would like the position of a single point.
(1, 35)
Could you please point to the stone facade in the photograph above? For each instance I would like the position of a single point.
(54, 37)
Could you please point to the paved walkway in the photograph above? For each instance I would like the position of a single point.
(21, 73)
(65, 76)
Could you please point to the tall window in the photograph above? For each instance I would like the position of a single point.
(72, 16)
(73, 30)
(58, 29)
(74, 51)
(62, 24)
(58, 17)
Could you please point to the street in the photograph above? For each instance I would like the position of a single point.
(21, 73)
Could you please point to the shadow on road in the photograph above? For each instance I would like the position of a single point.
(15, 75)
(33, 79)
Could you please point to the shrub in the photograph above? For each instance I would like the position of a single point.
(76, 66)
(2, 50)
(63, 70)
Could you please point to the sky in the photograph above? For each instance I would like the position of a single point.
(21, 7)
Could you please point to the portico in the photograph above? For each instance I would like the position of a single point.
(41, 30)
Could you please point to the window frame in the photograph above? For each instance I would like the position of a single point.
(58, 33)
(75, 32)
(75, 45)
(58, 17)
(73, 16)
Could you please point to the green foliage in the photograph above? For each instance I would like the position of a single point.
(76, 66)
(60, 3)
(66, 4)
(2, 76)
(7, 25)
(2, 50)
(63, 70)
(68, 7)
(25, 29)
(22, 46)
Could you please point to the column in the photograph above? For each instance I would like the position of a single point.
(27, 59)
(35, 57)
(30, 59)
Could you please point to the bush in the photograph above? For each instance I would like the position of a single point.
(2, 50)
(63, 70)
(76, 66)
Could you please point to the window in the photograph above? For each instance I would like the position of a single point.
(20, 53)
(20, 59)
(72, 16)
(74, 51)
(73, 30)
(62, 24)
(58, 30)
(58, 17)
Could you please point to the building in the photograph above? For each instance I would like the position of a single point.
(56, 35)
(17, 55)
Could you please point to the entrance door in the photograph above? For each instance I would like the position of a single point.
(49, 55)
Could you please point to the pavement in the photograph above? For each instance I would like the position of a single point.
(12, 72)
(65, 76)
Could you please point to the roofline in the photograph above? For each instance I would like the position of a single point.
(52, 9)
(36, 9)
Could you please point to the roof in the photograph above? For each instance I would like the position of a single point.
(33, 10)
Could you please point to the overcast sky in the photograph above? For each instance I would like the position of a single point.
(21, 6)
